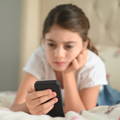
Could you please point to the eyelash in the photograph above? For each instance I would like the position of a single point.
(69, 46)
(54, 46)
(50, 44)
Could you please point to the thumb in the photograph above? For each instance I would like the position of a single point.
(31, 89)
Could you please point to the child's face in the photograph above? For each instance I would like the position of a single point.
(62, 47)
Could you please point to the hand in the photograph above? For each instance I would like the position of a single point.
(36, 101)
(78, 62)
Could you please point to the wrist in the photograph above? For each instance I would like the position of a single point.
(68, 74)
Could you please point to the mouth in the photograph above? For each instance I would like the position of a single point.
(59, 63)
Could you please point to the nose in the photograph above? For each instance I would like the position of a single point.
(59, 52)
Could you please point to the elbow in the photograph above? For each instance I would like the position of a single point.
(12, 108)
(74, 108)
(89, 107)
(19, 107)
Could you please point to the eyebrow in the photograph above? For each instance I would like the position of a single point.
(63, 42)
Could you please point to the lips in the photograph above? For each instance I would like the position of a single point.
(59, 63)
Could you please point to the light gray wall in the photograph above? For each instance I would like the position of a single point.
(10, 18)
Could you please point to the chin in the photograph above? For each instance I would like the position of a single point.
(59, 69)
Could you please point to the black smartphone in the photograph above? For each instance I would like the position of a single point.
(57, 110)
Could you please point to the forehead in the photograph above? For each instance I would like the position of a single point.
(59, 34)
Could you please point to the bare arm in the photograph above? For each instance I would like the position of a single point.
(75, 99)
(19, 102)
(89, 96)
(31, 101)
(72, 98)
(78, 100)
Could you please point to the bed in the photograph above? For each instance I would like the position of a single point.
(98, 113)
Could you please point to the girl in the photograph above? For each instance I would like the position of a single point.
(66, 54)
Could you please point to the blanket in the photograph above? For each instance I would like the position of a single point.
(98, 113)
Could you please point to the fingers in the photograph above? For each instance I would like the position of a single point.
(48, 104)
(47, 110)
(82, 57)
(36, 101)
(81, 60)
(43, 99)
(46, 107)
(41, 93)
(42, 112)
(34, 95)
(75, 64)
(31, 89)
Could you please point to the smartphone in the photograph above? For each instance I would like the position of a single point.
(57, 110)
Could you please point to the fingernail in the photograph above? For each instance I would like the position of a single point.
(49, 90)
(56, 99)
(54, 93)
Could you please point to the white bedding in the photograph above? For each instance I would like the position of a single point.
(98, 113)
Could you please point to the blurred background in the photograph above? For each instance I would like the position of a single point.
(10, 26)
(20, 33)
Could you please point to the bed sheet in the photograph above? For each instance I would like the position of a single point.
(98, 113)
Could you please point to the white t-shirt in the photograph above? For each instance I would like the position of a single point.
(93, 73)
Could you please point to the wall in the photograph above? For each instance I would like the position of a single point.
(10, 16)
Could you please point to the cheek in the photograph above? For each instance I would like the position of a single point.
(74, 53)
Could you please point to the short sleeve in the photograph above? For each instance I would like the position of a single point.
(94, 75)
(34, 65)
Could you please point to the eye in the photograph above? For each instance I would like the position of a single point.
(51, 45)
(69, 46)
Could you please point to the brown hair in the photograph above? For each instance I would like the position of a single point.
(70, 17)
